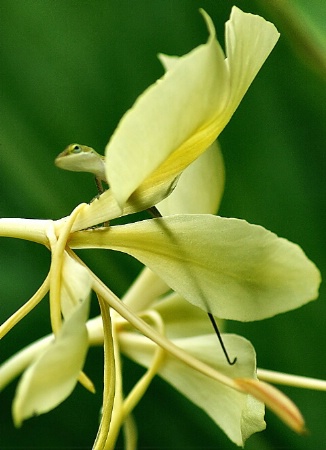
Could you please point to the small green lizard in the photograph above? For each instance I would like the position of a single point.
(80, 158)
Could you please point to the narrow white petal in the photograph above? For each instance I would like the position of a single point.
(53, 375)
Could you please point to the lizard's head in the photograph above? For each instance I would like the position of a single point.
(80, 158)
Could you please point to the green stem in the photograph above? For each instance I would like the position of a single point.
(26, 308)
(286, 379)
(130, 433)
(58, 248)
(142, 385)
(109, 377)
(116, 418)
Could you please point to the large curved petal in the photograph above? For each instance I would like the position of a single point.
(179, 117)
(166, 117)
(53, 375)
(239, 415)
(228, 267)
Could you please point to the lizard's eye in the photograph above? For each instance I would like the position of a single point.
(76, 149)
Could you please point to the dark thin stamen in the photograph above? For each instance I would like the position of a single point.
(154, 212)
(218, 334)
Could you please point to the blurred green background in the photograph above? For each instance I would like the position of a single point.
(69, 69)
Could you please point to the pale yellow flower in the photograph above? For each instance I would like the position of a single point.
(224, 266)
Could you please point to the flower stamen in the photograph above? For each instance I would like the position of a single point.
(218, 334)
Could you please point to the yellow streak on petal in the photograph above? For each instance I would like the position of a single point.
(179, 117)
(274, 399)
(166, 119)
(183, 156)
(200, 186)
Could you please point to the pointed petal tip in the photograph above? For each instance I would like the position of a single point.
(209, 23)
(276, 401)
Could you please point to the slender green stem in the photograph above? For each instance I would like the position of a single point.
(26, 308)
(109, 377)
(57, 249)
(291, 380)
(123, 410)
(142, 385)
(130, 433)
(116, 418)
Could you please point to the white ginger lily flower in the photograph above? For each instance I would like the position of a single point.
(224, 266)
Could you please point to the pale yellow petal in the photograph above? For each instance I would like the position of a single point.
(144, 290)
(166, 117)
(178, 118)
(200, 187)
(168, 61)
(98, 211)
(17, 363)
(229, 267)
(53, 375)
(182, 319)
(238, 415)
(249, 40)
